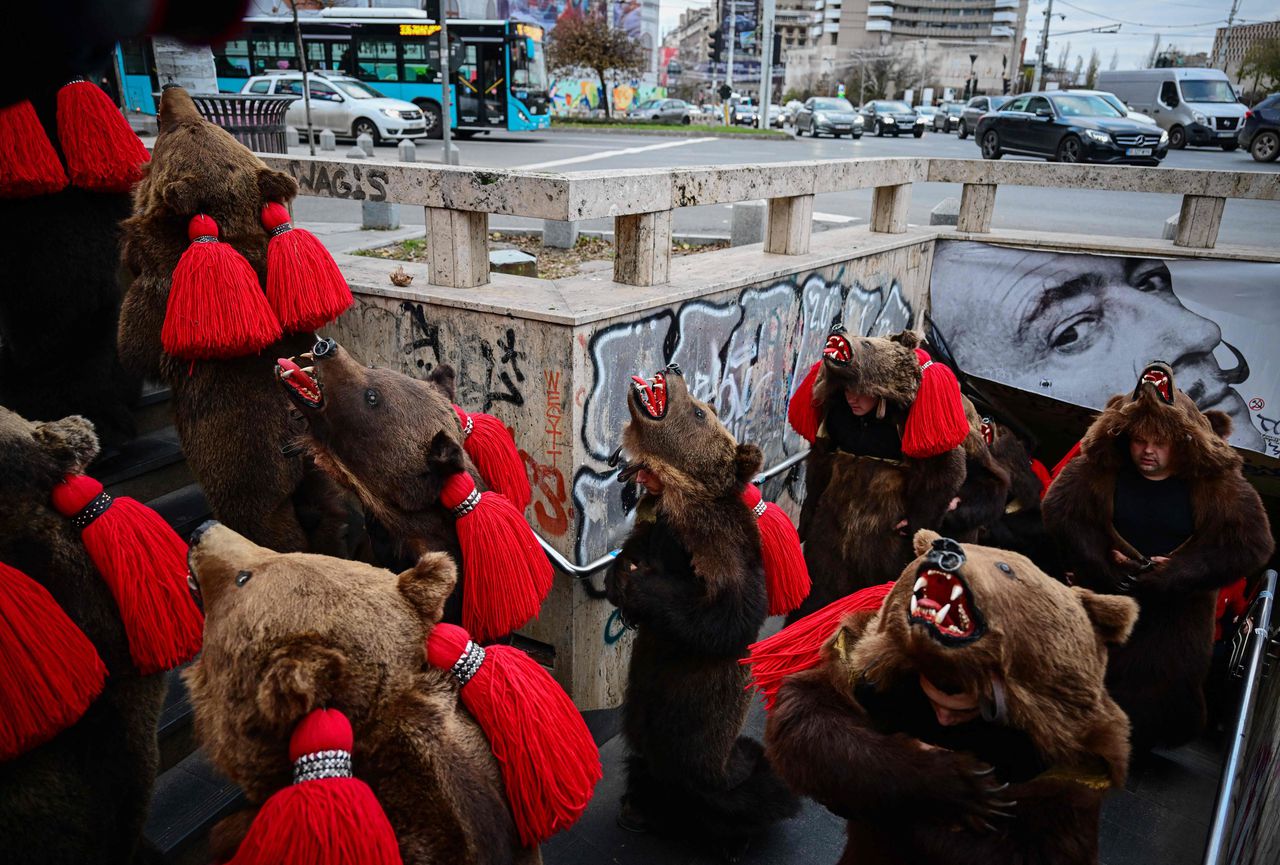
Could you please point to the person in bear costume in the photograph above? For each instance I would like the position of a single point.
(690, 580)
(1155, 506)
(79, 793)
(887, 458)
(965, 720)
(985, 492)
(233, 421)
(352, 641)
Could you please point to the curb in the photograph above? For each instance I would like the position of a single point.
(776, 135)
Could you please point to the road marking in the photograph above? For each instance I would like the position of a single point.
(834, 217)
(609, 154)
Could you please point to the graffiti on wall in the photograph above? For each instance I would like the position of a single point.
(744, 355)
(579, 95)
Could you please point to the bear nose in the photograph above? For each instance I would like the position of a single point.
(324, 347)
(200, 530)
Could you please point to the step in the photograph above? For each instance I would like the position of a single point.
(189, 798)
(183, 508)
(149, 466)
(174, 731)
(152, 410)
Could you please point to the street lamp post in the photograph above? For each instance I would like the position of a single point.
(1044, 48)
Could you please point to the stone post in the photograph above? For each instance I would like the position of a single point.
(643, 248)
(789, 225)
(889, 208)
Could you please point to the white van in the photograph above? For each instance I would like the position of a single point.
(1195, 106)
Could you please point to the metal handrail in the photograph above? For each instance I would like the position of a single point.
(580, 572)
(1223, 809)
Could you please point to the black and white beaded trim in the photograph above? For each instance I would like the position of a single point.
(281, 229)
(759, 509)
(467, 427)
(205, 238)
(927, 364)
(322, 764)
(468, 664)
(468, 504)
(91, 511)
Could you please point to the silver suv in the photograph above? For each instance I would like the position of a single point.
(348, 106)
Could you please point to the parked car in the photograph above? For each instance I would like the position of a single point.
(976, 107)
(927, 112)
(947, 117)
(776, 116)
(789, 111)
(829, 115)
(887, 117)
(1115, 103)
(1195, 106)
(1069, 127)
(1260, 134)
(347, 106)
(664, 111)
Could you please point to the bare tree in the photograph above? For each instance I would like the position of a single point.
(1155, 51)
(1075, 73)
(1091, 71)
(1115, 59)
(880, 75)
(590, 42)
(1062, 57)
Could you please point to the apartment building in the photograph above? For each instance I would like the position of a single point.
(1228, 53)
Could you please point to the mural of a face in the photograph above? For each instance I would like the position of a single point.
(1079, 328)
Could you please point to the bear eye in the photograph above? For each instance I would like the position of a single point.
(371, 396)
(1005, 568)
(699, 413)
(243, 577)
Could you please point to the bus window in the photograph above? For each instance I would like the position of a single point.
(376, 60)
(421, 63)
(316, 56)
(528, 67)
(232, 59)
(274, 54)
(339, 56)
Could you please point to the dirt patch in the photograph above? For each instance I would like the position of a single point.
(552, 263)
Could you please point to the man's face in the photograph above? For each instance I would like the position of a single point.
(859, 403)
(1153, 458)
(950, 709)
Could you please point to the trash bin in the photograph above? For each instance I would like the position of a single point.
(255, 121)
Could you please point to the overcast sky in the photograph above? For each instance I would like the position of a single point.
(1187, 24)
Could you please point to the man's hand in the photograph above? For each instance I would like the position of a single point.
(1132, 565)
(955, 503)
(901, 527)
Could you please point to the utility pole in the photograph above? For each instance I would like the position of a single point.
(306, 79)
(766, 60)
(1044, 48)
(1226, 39)
(733, 40)
(446, 93)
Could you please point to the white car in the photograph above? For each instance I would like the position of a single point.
(347, 106)
(1114, 101)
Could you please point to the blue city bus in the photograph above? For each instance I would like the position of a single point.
(499, 69)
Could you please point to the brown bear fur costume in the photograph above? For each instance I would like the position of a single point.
(854, 500)
(1021, 526)
(289, 633)
(233, 421)
(82, 796)
(858, 735)
(1158, 676)
(985, 490)
(690, 580)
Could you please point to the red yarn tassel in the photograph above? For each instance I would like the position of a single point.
(785, 573)
(506, 574)
(801, 411)
(103, 153)
(1042, 475)
(1068, 457)
(493, 450)
(328, 816)
(216, 308)
(935, 422)
(798, 646)
(50, 672)
(304, 285)
(549, 762)
(144, 563)
(29, 165)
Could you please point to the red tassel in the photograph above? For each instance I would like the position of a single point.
(144, 563)
(50, 674)
(549, 762)
(493, 450)
(29, 165)
(506, 574)
(936, 422)
(328, 817)
(1062, 463)
(216, 308)
(304, 285)
(1042, 475)
(801, 411)
(785, 573)
(103, 153)
(798, 646)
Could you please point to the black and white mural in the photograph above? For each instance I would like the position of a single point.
(1080, 327)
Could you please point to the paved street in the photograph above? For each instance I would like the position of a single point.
(1092, 212)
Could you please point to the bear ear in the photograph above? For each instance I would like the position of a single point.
(1113, 616)
(1221, 423)
(428, 584)
(276, 186)
(71, 441)
(181, 195)
(444, 378)
(747, 462)
(908, 338)
(923, 541)
(444, 456)
(299, 676)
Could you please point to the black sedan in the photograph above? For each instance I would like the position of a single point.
(892, 118)
(825, 114)
(1069, 127)
(1260, 134)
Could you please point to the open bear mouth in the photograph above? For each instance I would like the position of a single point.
(838, 350)
(651, 394)
(942, 602)
(301, 383)
(1158, 378)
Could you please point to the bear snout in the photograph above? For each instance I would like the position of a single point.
(200, 530)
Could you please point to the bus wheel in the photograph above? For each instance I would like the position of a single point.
(431, 118)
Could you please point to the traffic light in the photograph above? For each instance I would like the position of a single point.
(716, 45)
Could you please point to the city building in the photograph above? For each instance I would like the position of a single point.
(691, 39)
(800, 23)
(1230, 48)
